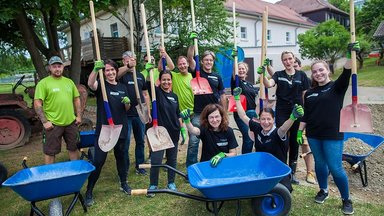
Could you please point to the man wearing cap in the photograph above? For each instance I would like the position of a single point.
(56, 100)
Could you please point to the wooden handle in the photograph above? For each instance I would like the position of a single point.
(353, 36)
(194, 29)
(139, 192)
(130, 10)
(161, 23)
(97, 49)
(305, 154)
(263, 50)
(145, 166)
(356, 165)
(234, 40)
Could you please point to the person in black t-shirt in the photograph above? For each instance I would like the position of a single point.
(119, 103)
(267, 137)
(169, 117)
(291, 86)
(250, 92)
(218, 138)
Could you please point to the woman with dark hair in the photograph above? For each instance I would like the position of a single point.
(267, 137)
(217, 137)
(168, 117)
(119, 103)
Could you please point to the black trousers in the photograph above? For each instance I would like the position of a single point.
(156, 159)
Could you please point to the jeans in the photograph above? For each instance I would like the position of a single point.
(193, 143)
(157, 158)
(135, 124)
(328, 158)
(99, 160)
(247, 142)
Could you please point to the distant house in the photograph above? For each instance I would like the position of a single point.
(317, 10)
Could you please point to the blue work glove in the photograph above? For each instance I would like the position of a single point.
(252, 114)
(215, 160)
(297, 112)
(125, 100)
(267, 62)
(299, 137)
(98, 66)
(236, 93)
(149, 66)
(185, 115)
(183, 132)
(261, 70)
(353, 47)
(193, 35)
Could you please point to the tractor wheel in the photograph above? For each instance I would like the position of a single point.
(266, 207)
(3, 174)
(15, 129)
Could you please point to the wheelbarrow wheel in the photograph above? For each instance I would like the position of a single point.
(55, 208)
(265, 206)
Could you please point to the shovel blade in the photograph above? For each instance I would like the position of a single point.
(356, 118)
(142, 110)
(161, 142)
(109, 135)
(232, 103)
(200, 86)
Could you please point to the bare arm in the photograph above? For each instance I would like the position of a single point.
(232, 152)
(191, 60)
(164, 54)
(302, 125)
(122, 71)
(77, 103)
(240, 111)
(268, 82)
(223, 100)
(270, 70)
(38, 105)
(147, 101)
(282, 131)
(192, 129)
(92, 82)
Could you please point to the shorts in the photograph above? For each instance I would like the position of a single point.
(52, 139)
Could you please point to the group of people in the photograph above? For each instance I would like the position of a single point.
(302, 104)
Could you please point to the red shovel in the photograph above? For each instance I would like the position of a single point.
(355, 117)
(199, 84)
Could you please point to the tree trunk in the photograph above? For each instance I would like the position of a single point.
(27, 33)
(75, 70)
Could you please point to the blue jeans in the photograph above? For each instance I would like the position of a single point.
(193, 143)
(135, 124)
(243, 128)
(328, 158)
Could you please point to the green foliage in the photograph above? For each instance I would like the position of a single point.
(370, 16)
(14, 62)
(341, 4)
(326, 41)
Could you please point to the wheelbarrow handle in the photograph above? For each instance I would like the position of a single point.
(305, 154)
(24, 163)
(148, 166)
(145, 166)
(139, 192)
(356, 165)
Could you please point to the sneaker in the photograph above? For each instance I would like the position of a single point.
(294, 180)
(321, 196)
(151, 187)
(141, 172)
(89, 198)
(347, 207)
(124, 187)
(311, 178)
(172, 186)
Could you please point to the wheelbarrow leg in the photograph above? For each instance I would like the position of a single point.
(75, 198)
(363, 174)
(82, 202)
(34, 209)
(215, 209)
(238, 212)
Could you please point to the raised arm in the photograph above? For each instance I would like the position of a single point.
(185, 115)
(129, 63)
(297, 112)
(267, 82)
(92, 82)
(190, 57)
(170, 64)
(240, 111)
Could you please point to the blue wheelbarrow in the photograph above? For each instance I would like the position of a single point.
(254, 176)
(357, 162)
(50, 181)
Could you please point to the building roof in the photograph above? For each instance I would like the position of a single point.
(306, 6)
(379, 33)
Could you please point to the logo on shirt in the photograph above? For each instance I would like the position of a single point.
(131, 82)
(222, 142)
(313, 95)
(265, 141)
(114, 93)
(212, 78)
(172, 99)
(56, 89)
(325, 90)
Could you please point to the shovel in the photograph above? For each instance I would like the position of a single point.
(355, 117)
(199, 85)
(142, 108)
(158, 136)
(243, 100)
(110, 133)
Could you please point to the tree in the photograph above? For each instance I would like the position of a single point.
(341, 4)
(327, 41)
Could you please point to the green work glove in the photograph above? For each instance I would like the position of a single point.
(125, 100)
(267, 62)
(299, 137)
(215, 160)
(98, 66)
(193, 35)
(353, 47)
(185, 115)
(261, 70)
(236, 93)
(234, 52)
(149, 66)
(252, 114)
(297, 112)
(183, 132)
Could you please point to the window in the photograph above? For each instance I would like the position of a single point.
(269, 36)
(287, 37)
(243, 32)
(87, 35)
(114, 31)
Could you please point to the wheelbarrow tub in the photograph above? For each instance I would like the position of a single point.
(373, 140)
(246, 175)
(51, 180)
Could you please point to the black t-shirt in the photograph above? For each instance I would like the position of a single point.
(168, 112)
(114, 95)
(248, 90)
(217, 86)
(128, 81)
(215, 142)
(271, 143)
(289, 89)
(322, 107)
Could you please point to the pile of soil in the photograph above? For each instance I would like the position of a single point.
(355, 146)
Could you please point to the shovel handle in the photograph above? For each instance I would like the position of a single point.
(235, 59)
(139, 192)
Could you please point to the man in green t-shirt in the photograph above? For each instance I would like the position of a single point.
(56, 100)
